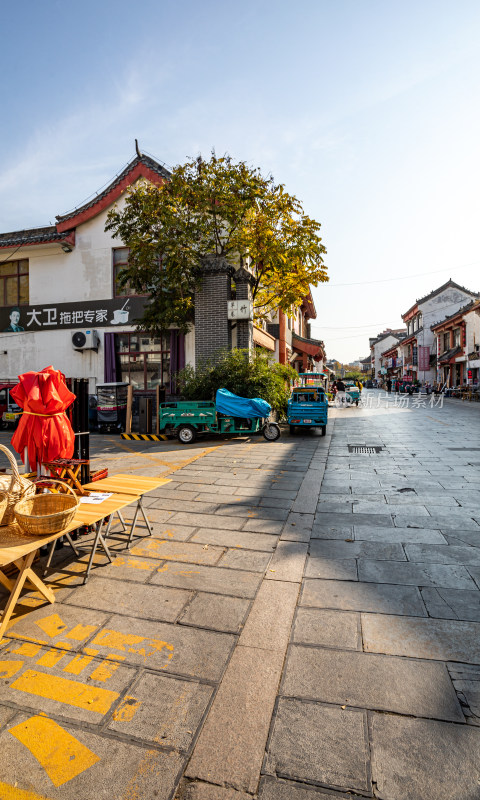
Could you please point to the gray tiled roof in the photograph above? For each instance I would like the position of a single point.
(32, 236)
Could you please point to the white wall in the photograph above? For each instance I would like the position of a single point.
(434, 310)
(381, 347)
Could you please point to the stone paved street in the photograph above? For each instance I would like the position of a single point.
(304, 624)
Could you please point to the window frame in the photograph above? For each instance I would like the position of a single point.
(18, 274)
(116, 296)
(141, 355)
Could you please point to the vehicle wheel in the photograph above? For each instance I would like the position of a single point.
(324, 430)
(271, 432)
(186, 434)
(356, 402)
(293, 430)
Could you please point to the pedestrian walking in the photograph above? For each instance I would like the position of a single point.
(341, 396)
(389, 385)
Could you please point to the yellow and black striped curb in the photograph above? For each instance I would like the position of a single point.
(145, 437)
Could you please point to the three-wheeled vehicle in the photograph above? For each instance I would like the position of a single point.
(111, 407)
(308, 404)
(9, 411)
(352, 392)
(228, 414)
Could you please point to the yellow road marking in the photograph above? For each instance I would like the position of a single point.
(104, 671)
(50, 659)
(64, 690)
(8, 792)
(132, 643)
(437, 420)
(26, 649)
(127, 709)
(134, 563)
(52, 625)
(80, 632)
(78, 664)
(61, 755)
(9, 668)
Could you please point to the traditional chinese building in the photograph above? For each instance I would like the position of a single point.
(61, 303)
(457, 346)
(418, 351)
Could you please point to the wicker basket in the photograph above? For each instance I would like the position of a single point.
(15, 486)
(46, 514)
(3, 505)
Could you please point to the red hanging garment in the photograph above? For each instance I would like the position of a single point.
(44, 428)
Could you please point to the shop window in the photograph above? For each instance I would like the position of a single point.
(14, 289)
(120, 261)
(144, 362)
(446, 341)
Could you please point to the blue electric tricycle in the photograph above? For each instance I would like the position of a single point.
(308, 405)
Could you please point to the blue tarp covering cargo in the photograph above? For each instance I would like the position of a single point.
(231, 404)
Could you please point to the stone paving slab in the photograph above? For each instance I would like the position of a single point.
(195, 506)
(188, 552)
(447, 522)
(327, 628)
(253, 512)
(132, 599)
(263, 525)
(179, 533)
(442, 640)
(245, 560)
(470, 692)
(452, 603)
(340, 519)
(231, 745)
(356, 549)
(319, 744)
(207, 791)
(268, 624)
(64, 627)
(168, 711)
(459, 537)
(381, 597)
(424, 553)
(450, 576)
(216, 612)
(207, 521)
(161, 646)
(417, 758)
(74, 763)
(226, 538)
(398, 535)
(274, 789)
(332, 531)
(288, 562)
(75, 687)
(207, 579)
(364, 680)
(331, 569)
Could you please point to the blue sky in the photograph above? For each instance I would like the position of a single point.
(367, 110)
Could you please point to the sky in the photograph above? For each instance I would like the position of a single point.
(366, 110)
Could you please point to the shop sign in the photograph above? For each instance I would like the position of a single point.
(399, 361)
(423, 358)
(59, 316)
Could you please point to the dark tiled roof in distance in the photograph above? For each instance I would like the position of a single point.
(462, 310)
(31, 236)
(307, 341)
(444, 357)
(449, 284)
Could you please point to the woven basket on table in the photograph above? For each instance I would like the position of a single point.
(3, 504)
(15, 486)
(45, 514)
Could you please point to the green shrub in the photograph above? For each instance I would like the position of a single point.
(257, 376)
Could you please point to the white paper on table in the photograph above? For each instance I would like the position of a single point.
(96, 497)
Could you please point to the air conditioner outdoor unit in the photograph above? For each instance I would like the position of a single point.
(85, 340)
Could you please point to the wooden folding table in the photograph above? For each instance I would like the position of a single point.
(134, 485)
(19, 549)
(94, 514)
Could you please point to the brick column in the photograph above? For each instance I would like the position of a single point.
(212, 328)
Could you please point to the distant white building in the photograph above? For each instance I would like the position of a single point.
(418, 348)
(378, 345)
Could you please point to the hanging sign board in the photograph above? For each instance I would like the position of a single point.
(240, 309)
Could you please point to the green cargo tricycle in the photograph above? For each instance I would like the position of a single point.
(229, 414)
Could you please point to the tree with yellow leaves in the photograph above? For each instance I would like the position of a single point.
(223, 209)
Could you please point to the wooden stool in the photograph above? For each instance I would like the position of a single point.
(68, 470)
